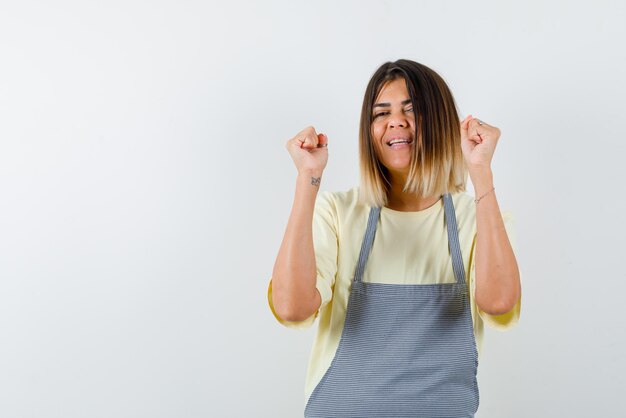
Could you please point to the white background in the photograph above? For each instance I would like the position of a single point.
(145, 188)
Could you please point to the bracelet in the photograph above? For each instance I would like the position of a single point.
(478, 200)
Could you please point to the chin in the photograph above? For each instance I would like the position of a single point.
(398, 171)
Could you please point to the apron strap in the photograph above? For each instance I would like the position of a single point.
(453, 241)
(366, 246)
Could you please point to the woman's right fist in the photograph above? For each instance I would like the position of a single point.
(309, 151)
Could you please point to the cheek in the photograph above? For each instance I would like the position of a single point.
(412, 125)
(377, 132)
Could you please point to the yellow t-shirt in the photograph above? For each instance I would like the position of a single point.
(409, 248)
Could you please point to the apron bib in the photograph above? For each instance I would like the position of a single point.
(406, 350)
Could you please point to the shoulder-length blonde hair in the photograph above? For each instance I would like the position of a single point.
(437, 164)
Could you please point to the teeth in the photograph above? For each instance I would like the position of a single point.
(398, 141)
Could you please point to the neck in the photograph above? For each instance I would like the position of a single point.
(408, 202)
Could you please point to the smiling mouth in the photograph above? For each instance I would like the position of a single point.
(397, 144)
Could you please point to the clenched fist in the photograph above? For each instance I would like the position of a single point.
(309, 151)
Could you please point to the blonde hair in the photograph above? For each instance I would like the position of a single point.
(437, 164)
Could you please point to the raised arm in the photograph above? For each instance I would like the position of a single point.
(294, 292)
(498, 287)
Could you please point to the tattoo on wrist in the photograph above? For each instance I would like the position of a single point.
(315, 181)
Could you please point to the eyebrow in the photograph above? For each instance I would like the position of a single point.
(407, 101)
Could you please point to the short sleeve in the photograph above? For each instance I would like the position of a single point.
(507, 320)
(325, 244)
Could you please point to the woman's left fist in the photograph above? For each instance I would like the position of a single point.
(478, 142)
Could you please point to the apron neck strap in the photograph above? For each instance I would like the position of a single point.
(453, 240)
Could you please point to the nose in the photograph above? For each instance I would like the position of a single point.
(398, 120)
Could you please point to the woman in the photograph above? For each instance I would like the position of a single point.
(384, 266)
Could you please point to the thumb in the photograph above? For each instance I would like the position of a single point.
(465, 124)
(322, 139)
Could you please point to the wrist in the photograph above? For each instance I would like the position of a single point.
(310, 177)
(480, 170)
(482, 180)
(479, 198)
(310, 172)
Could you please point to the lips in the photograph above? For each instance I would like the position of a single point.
(408, 142)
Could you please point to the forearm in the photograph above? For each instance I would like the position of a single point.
(294, 276)
(497, 274)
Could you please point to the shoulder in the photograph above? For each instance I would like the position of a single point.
(340, 200)
(463, 203)
(465, 209)
(342, 206)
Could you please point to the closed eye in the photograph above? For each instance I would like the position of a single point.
(386, 113)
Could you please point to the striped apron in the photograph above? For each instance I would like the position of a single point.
(406, 350)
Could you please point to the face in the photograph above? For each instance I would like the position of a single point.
(393, 126)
